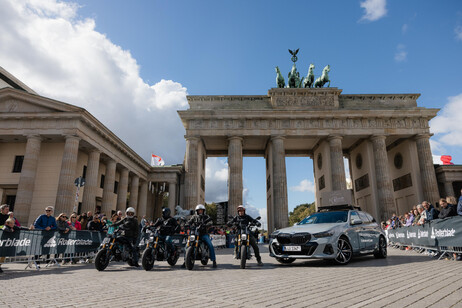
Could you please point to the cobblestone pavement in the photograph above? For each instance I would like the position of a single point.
(404, 279)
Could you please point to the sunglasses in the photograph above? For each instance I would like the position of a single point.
(47, 210)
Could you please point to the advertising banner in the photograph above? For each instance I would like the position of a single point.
(436, 233)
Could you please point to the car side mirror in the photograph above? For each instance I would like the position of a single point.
(356, 222)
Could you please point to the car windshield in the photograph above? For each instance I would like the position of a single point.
(325, 218)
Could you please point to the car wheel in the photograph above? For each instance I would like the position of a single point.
(381, 251)
(344, 251)
(285, 260)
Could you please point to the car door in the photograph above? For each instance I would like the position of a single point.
(368, 231)
(355, 232)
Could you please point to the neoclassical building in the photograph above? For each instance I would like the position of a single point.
(45, 145)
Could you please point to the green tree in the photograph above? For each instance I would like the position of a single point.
(301, 211)
(211, 210)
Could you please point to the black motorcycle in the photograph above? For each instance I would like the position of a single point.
(116, 248)
(156, 250)
(196, 249)
(243, 242)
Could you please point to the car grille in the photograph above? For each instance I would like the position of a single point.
(307, 250)
(297, 238)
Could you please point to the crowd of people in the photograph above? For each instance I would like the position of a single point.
(422, 213)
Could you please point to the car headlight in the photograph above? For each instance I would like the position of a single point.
(323, 234)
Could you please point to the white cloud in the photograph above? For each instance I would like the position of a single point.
(401, 53)
(374, 9)
(216, 180)
(60, 55)
(304, 185)
(404, 28)
(437, 147)
(445, 126)
(458, 32)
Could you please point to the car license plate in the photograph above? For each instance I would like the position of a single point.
(292, 248)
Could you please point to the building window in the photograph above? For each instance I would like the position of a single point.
(101, 185)
(84, 172)
(319, 161)
(359, 161)
(398, 161)
(17, 167)
(10, 200)
(116, 186)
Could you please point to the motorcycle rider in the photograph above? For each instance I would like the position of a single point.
(167, 227)
(130, 225)
(242, 219)
(197, 219)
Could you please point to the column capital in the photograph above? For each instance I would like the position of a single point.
(192, 138)
(94, 150)
(378, 137)
(236, 138)
(72, 137)
(278, 137)
(423, 136)
(34, 136)
(334, 137)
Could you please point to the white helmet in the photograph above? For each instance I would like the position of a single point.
(200, 207)
(131, 210)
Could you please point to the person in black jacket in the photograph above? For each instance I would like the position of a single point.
(130, 226)
(167, 227)
(446, 210)
(4, 209)
(241, 220)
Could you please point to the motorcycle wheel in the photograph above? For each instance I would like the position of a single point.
(173, 258)
(190, 258)
(101, 260)
(147, 260)
(205, 255)
(243, 256)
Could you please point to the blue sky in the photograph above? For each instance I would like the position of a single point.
(131, 63)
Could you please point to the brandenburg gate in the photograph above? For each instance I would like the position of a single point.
(385, 138)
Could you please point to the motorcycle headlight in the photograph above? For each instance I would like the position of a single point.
(323, 234)
(192, 238)
(244, 237)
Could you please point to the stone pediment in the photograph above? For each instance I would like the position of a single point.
(17, 101)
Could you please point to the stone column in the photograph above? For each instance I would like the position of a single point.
(27, 179)
(91, 182)
(133, 202)
(191, 181)
(235, 172)
(142, 206)
(65, 197)
(108, 190)
(122, 191)
(386, 203)
(427, 170)
(336, 163)
(150, 204)
(449, 189)
(172, 197)
(281, 211)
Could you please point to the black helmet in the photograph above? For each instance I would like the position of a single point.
(165, 212)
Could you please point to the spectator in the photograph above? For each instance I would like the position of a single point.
(459, 205)
(446, 210)
(62, 225)
(83, 219)
(109, 223)
(95, 224)
(4, 210)
(119, 215)
(90, 215)
(16, 222)
(409, 219)
(432, 213)
(9, 226)
(416, 216)
(452, 202)
(46, 221)
(74, 223)
(423, 215)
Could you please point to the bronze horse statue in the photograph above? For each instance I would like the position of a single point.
(279, 79)
(309, 79)
(321, 81)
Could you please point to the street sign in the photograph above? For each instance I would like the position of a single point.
(79, 182)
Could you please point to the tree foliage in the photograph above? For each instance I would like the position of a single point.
(211, 210)
(301, 211)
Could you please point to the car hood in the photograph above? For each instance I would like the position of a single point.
(311, 228)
